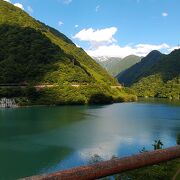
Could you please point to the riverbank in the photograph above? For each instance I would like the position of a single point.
(7, 103)
(67, 95)
(158, 101)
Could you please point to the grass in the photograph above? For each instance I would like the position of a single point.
(162, 171)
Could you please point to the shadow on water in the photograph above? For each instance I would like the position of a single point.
(32, 120)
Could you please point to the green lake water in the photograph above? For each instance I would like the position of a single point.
(38, 140)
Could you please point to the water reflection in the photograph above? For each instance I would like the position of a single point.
(35, 120)
(165, 101)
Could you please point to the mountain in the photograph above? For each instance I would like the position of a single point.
(157, 75)
(25, 40)
(109, 63)
(33, 53)
(135, 72)
(115, 65)
(127, 62)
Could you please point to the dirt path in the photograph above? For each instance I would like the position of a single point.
(41, 86)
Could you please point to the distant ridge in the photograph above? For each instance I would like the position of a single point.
(115, 65)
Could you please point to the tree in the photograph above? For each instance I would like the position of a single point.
(178, 139)
(157, 144)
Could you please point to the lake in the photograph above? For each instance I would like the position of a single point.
(36, 140)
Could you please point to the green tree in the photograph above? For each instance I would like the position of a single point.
(178, 139)
(157, 144)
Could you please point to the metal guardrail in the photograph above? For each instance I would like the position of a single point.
(114, 166)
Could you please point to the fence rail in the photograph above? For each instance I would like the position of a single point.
(114, 166)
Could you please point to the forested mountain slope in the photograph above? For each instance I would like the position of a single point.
(33, 53)
(23, 40)
(135, 72)
(157, 75)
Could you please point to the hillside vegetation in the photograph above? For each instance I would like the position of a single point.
(34, 53)
(157, 75)
(135, 72)
(28, 40)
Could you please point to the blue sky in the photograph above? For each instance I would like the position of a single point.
(112, 27)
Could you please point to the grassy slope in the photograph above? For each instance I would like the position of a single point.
(90, 65)
(162, 171)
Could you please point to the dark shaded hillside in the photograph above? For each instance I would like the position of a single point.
(156, 75)
(28, 55)
(168, 66)
(139, 70)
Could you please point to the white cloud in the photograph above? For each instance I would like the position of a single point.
(97, 36)
(19, 5)
(103, 43)
(67, 1)
(77, 45)
(97, 8)
(144, 49)
(164, 14)
(30, 9)
(76, 26)
(60, 23)
(112, 50)
(8, 1)
(173, 48)
(115, 50)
